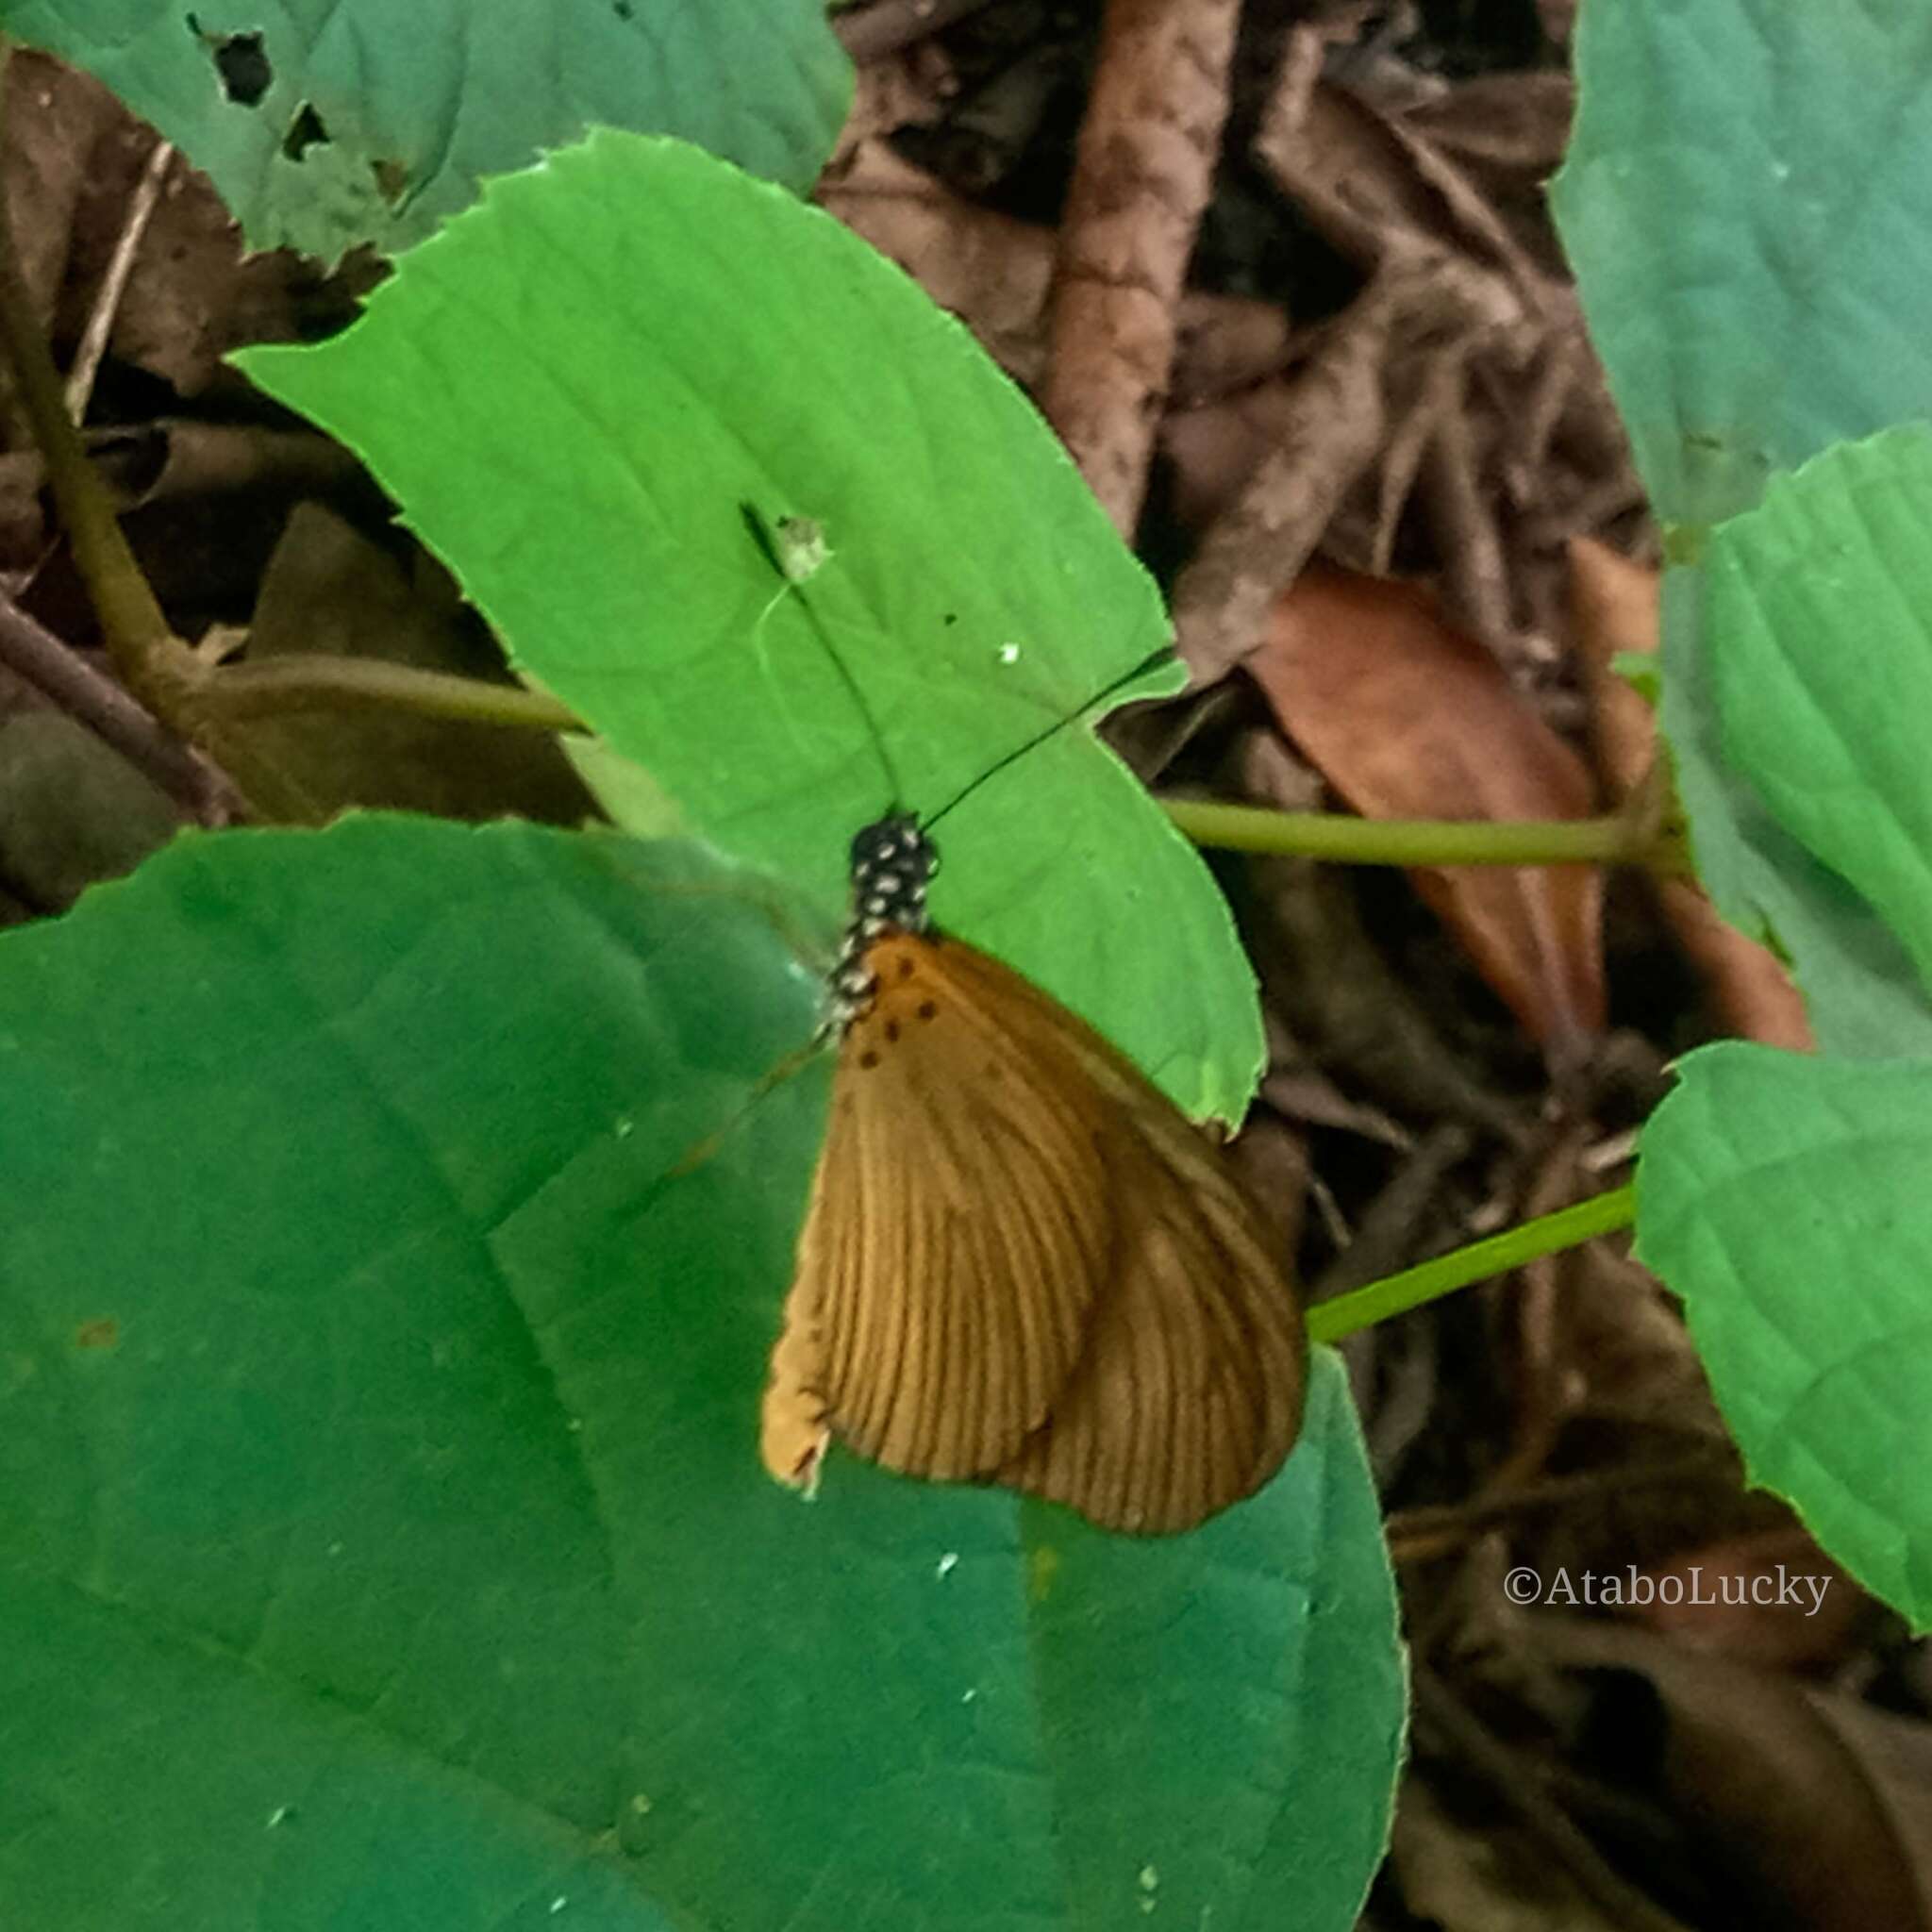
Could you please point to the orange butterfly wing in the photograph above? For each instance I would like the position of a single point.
(1021, 1263)
(954, 1246)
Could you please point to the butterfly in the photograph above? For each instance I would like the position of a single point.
(1020, 1263)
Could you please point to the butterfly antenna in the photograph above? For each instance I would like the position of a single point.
(790, 573)
(1151, 662)
(795, 549)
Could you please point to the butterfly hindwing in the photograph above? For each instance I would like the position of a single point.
(1189, 1391)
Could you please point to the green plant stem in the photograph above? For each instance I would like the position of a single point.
(1395, 1294)
(136, 632)
(283, 685)
(150, 659)
(1613, 840)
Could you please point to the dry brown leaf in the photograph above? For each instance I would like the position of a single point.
(1509, 127)
(905, 86)
(1263, 536)
(1815, 1808)
(1213, 448)
(72, 811)
(991, 270)
(1614, 607)
(1350, 1012)
(73, 163)
(1773, 1599)
(56, 118)
(1483, 1876)
(1407, 718)
(1614, 611)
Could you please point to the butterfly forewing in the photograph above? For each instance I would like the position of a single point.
(957, 1237)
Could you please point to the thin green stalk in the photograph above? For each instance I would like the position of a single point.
(151, 661)
(1395, 1294)
(136, 634)
(1614, 839)
(279, 686)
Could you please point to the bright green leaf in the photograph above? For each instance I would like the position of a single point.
(160, 1780)
(1861, 991)
(1739, 203)
(1784, 1197)
(325, 124)
(574, 391)
(1821, 609)
(379, 1383)
(1743, 202)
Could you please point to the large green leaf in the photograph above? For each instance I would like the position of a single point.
(574, 391)
(1820, 601)
(1802, 768)
(1862, 994)
(382, 1534)
(325, 124)
(1742, 203)
(1784, 1197)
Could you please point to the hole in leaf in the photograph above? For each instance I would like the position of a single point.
(392, 180)
(241, 63)
(304, 132)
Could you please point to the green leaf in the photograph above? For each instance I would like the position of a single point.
(1742, 203)
(1862, 994)
(575, 392)
(160, 1780)
(1784, 1197)
(391, 1256)
(1819, 603)
(326, 123)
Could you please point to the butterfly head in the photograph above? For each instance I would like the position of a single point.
(892, 861)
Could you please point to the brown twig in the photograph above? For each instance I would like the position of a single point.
(871, 33)
(156, 667)
(1422, 302)
(1409, 442)
(1142, 172)
(100, 322)
(68, 680)
(1432, 1530)
(1256, 547)
(1475, 573)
